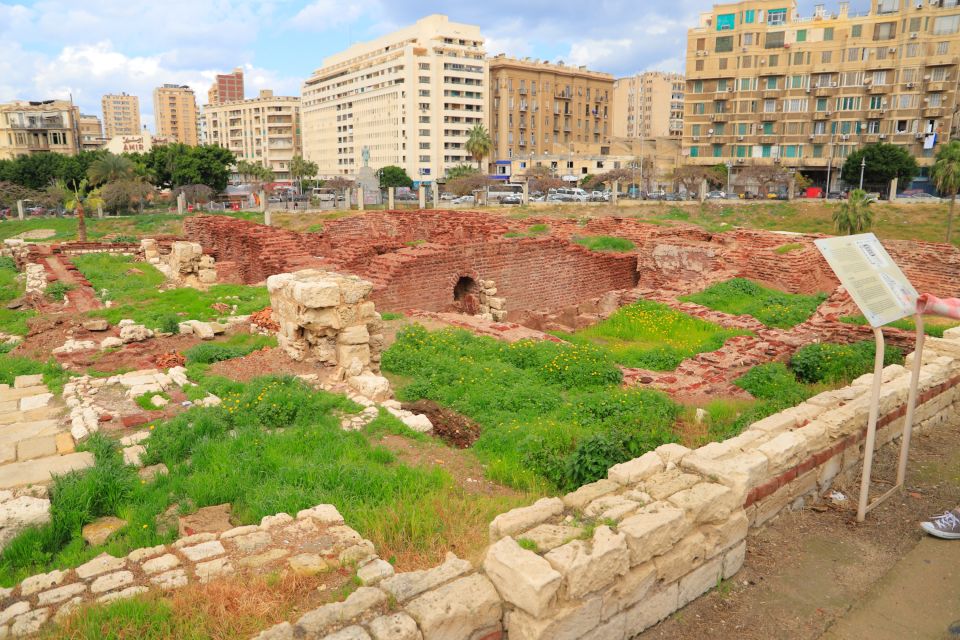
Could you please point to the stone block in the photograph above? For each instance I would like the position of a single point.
(374, 571)
(161, 564)
(721, 536)
(629, 589)
(322, 513)
(655, 607)
(637, 469)
(129, 592)
(569, 623)
(397, 626)
(589, 568)
(103, 563)
(354, 632)
(700, 580)
(705, 502)
(407, 585)
(316, 295)
(612, 507)
(262, 559)
(650, 534)
(308, 564)
(520, 519)
(35, 402)
(173, 579)
(29, 623)
(40, 582)
(523, 578)
(111, 581)
(313, 623)
(203, 550)
(663, 485)
(459, 609)
(347, 353)
(687, 554)
(733, 560)
(371, 385)
(14, 610)
(211, 569)
(588, 493)
(252, 541)
(55, 596)
(551, 536)
(354, 335)
(23, 382)
(138, 555)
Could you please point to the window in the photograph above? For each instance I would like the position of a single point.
(773, 60)
(901, 126)
(722, 84)
(818, 151)
(424, 158)
(718, 151)
(873, 126)
(746, 62)
(699, 65)
(801, 35)
(719, 129)
(724, 44)
(766, 151)
(798, 57)
(771, 83)
(799, 82)
(935, 100)
(742, 129)
(915, 24)
(821, 104)
(695, 130)
(774, 40)
(742, 150)
(879, 77)
(698, 86)
(943, 48)
(938, 74)
(699, 108)
(852, 78)
(726, 21)
(887, 6)
(424, 79)
(913, 49)
(828, 34)
(723, 63)
(701, 44)
(853, 55)
(793, 150)
(768, 128)
(908, 101)
(876, 102)
(885, 31)
(749, 16)
(769, 106)
(795, 105)
(848, 103)
(826, 57)
(776, 16)
(819, 128)
(748, 84)
(747, 39)
(694, 152)
(856, 30)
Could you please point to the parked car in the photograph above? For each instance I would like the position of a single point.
(716, 195)
(559, 197)
(922, 195)
(748, 195)
(672, 197)
(837, 195)
(511, 199)
(465, 200)
(446, 195)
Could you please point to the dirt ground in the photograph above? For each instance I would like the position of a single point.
(263, 362)
(807, 571)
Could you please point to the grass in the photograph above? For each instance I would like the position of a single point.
(387, 316)
(773, 308)
(605, 243)
(651, 335)
(134, 289)
(145, 401)
(552, 415)
(932, 325)
(235, 346)
(58, 290)
(287, 453)
(12, 321)
(787, 248)
(54, 376)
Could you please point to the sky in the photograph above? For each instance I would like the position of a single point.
(86, 48)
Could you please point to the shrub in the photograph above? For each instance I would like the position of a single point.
(8, 263)
(235, 347)
(605, 243)
(771, 307)
(389, 315)
(839, 363)
(169, 324)
(57, 290)
(773, 381)
(787, 248)
(124, 239)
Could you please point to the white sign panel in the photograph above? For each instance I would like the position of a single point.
(871, 277)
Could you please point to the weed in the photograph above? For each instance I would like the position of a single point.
(787, 248)
(538, 229)
(839, 363)
(605, 243)
(124, 239)
(57, 290)
(387, 316)
(415, 243)
(771, 307)
(54, 376)
(932, 325)
(236, 346)
(528, 544)
(145, 401)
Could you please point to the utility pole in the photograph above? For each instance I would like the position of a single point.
(729, 170)
(863, 165)
(833, 132)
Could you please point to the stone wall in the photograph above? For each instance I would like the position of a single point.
(185, 263)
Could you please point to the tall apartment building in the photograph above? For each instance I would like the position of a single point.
(28, 127)
(409, 98)
(766, 86)
(547, 113)
(265, 129)
(121, 115)
(175, 113)
(648, 105)
(228, 87)
(91, 132)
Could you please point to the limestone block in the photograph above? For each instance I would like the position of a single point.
(672, 452)
(138, 555)
(722, 535)
(520, 519)
(40, 582)
(663, 485)
(111, 342)
(29, 623)
(252, 541)
(733, 560)
(360, 601)
(398, 626)
(637, 469)
(687, 554)
(308, 564)
(317, 295)
(111, 581)
(459, 609)
(784, 450)
(407, 585)
(203, 550)
(322, 513)
(161, 564)
(654, 608)
(629, 589)
(14, 610)
(569, 623)
(705, 502)
(21, 513)
(24, 382)
(652, 533)
(171, 579)
(354, 335)
(523, 578)
(60, 594)
(700, 580)
(202, 330)
(211, 569)
(371, 385)
(103, 563)
(588, 493)
(135, 333)
(551, 536)
(354, 289)
(374, 571)
(354, 632)
(129, 592)
(349, 352)
(587, 569)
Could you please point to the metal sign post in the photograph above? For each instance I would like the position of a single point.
(883, 294)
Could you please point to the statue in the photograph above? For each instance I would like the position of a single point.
(365, 154)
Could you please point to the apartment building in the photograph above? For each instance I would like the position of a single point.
(547, 112)
(265, 130)
(28, 127)
(175, 113)
(228, 87)
(121, 115)
(648, 105)
(91, 132)
(408, 98)
(768, 86)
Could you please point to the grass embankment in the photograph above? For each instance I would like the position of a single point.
(651, 335)
(274, 445)
(773, 308)
(932, 325)
(604, 243)
(552, 415)
(12, 321)
(134, 289)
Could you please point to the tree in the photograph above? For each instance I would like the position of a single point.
(300, 169)
(691, 176)
(541, 179)
(119, 195)
(174, 165)
(467, 185)
(946, 177)
(194, 193)
(393, 176)
(254, 170)
(38, 170)
(764, 176)
(479, 143)
(461, 170)
(802, 182)
(853, 215)
(884, 163)
(110, 168)
(76, 197)
(339, 184)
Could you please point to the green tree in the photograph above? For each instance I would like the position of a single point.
(77, 196)
(110, 168)
(946, 176)
(393, 176)
(479, 143)
(300, 169)
(461, 170)
(119, 195)
(884, 163)
(174, 165)
(853, 215)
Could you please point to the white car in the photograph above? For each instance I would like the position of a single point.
(464, 200)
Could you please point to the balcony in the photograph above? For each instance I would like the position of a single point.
(937, 86)
(822, 115)
(720, 117)
(824, 90)
(877, 89)
(933, 112)
(771, 93)
(940, 61)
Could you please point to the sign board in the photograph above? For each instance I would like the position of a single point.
(871, 277)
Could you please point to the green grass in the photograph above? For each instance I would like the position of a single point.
(605, 243)
(839, 363)
(57, 290)
(787, 248)
(235, 346)
(145, 401)
(651, 335)
(932, 325)
(387, 316)
(274, 445)
(12, 321)
(133, 287)
(773, 308)
(141, 618)
(54, 376)
(551, 415)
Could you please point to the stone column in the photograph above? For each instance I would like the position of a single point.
(180, 204)
(267, 217)
(435, 190)
(422, 192)
(20, 209)
(703, 190)
(360, 198)
(791, 188)
(525, 199)
(615, 192)
(893, 189)
(263, 201)
(99, 210)
(390, 196)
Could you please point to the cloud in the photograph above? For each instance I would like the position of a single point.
(322, 15)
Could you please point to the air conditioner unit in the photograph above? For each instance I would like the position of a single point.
(926, 99)
(926, 78)
(744, 49)
(740, 138)
(845, 136)
(867, 81)
(882, 111)
(808, 89)
(910, 85)
(914, 35)
(833, 84)
(918, 136)
(777, 160)
(812, 136)
(828, 113)
(816, 86)
(883, 136)
(696, 138)
(729, 89)
(740, 160)
(892, 50)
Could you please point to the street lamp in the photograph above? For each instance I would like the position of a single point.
(729, 170)
(863, 165)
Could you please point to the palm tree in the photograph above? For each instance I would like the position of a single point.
(946, 177)
(76, 197)
(110, 168)
(479, 143)
(854, 215)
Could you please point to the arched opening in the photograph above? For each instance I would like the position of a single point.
(466, 296)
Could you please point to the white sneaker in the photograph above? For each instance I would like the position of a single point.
(946, 526)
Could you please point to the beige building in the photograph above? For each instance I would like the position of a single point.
(175, 113)
(767, 86)
(29, 127)
(648, 105)
(408, 98)
(228, 87)
(543, 112)
(121, 115)
(265, 130)
(91, 132)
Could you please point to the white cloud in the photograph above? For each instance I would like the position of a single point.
(322, 15)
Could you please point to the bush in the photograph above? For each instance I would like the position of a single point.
(773, 308)
(773, 381)
(57, 290)
(8, 263)
(605, 243)
(169, 324)
(839, 363)
(236, 346)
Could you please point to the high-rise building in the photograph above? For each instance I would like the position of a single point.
(265, 130)
(228, 87)
(91, 132)
(648, 105)
(766, 86)
(28, 127)
(175, 113)
(408, 98)
(121, 115)
(548, 113)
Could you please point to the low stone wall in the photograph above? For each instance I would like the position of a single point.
(617, 556)
(185, 263)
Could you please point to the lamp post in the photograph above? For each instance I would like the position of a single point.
(863, 165)
(729, 170)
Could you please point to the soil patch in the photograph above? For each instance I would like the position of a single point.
(453, 428)
(264, 362)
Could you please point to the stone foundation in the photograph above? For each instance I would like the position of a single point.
(185, 264)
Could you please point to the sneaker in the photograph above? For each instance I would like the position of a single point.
(946, 525)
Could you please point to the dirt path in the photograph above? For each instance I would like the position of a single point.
(817, 574)
(82, 297)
